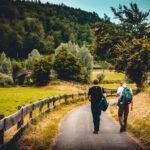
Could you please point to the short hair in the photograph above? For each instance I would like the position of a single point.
(122, 82)
(96, 81)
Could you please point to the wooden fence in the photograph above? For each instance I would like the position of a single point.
(42, 106)
(18, 118)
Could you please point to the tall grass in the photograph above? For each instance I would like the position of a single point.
(40, 134)
(139, 118)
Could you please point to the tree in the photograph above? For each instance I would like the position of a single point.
(41, 71)
(17, 67)
(32, 57)
(67, 65)
(5, 64)
(107, 35)
(83, 55)
(132, 19)
(86, 59)
(134, 59)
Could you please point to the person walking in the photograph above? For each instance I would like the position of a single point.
(95, 94)
(125, 98)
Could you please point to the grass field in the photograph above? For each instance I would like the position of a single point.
(139, 118)
(114, 76)
(111, 76)
(11, 98)
(116, 85)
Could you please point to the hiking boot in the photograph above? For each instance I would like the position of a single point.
(95, 132)
(121, 128)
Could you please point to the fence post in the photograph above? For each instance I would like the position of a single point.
(20, 123)
(53, 102)
(48, 104)
(85, 95)
(40, 108)
(72, 96)
(30, 114)
(1, 132)
(65, 96)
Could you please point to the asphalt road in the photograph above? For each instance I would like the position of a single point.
(76, 133)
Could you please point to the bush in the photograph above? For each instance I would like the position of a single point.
(41, 71)
(6, 80)
(67, 65)
(28, 80)
(100, 77)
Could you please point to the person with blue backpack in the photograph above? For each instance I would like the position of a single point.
(125, 98)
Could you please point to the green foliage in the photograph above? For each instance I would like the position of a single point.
(107, 35)
(103, 65)
(23, 28)
(17, 66)
(125, 45)
(6, 80)
(133, 58)
(132, 19)
(5, 64)
(32, 57)
(100, 77)
(41, 71)
(86, 59)
(67, 65)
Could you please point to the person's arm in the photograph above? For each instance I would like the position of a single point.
(132, 105)
(89, 97)
(104, 93)
(89, 94)
(132, 100)
(118, 92)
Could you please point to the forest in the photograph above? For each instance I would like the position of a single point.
(25, 26)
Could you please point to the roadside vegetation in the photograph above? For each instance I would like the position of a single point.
(138, 120)
(40, 134)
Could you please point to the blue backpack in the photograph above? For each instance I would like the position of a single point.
(126, 97)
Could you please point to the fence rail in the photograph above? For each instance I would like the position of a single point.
(17, 119)
(45, 105)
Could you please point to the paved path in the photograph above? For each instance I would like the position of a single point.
(76, 133)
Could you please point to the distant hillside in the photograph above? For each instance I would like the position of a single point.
(25, 26)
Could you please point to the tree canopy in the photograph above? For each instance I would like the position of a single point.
(23, 28)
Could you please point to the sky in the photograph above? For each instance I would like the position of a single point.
(101, 6)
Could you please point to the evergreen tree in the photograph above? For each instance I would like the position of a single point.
(132, 19)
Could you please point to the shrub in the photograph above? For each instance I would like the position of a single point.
(67, 65)
(6, 80)
(41, 71)
(5, 64)
(100, 77)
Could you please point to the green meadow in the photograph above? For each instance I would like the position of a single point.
(11, 98)
(111, 76)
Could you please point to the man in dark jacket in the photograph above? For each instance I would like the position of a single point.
(95, 94)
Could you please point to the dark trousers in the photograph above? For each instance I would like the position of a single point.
(96, 112)
(123, 114)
